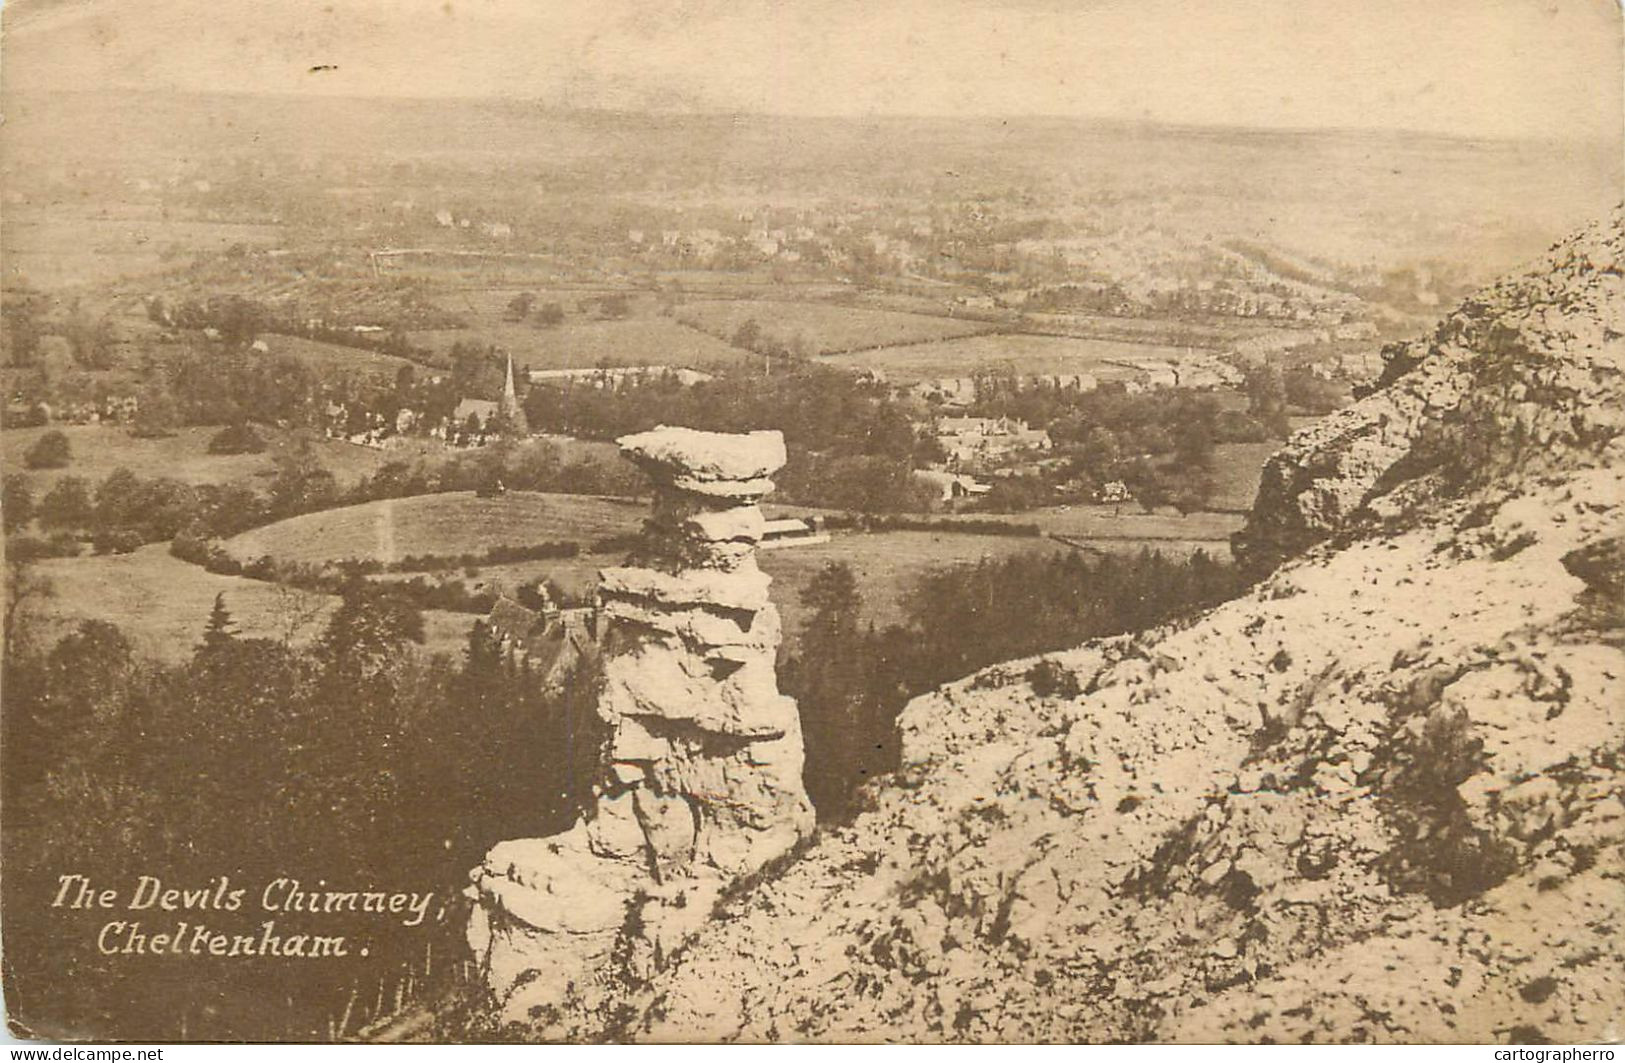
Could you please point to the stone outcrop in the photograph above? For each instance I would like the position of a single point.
(1521, 376)
(701, 770)
(1379, 797)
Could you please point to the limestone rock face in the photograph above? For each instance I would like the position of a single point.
(1522, 376)
(701, 779)
(1379, 797)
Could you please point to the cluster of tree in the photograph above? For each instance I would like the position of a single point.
(1104, 298)
(66, 506)
(817, 407)
(1284, 266)
(534, 465)
(1190, 301)
(20, 327)
(92, 340)
(1265, 387)
(368, 408)
(1188, 421)
(1036, 602)
(476, 369)
(1187, 301)
(234, 387)
(1422, 288)
(355, 762)
(850, 445)
(239, 438)
(1159, 443)
(50, 451)
(126, 510)
(16, 502)
(188, 545)
(501, 554)
(449, 592)
(18, 507)
(611, 307)
(851, 679)
(545, 315)
(1312, 393)
(235, 320)
(750, 336)
(1028, 491)
(884, 522)
(866, 483)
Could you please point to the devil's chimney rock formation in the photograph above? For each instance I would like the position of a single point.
(701, 772)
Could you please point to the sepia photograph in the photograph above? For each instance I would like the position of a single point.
(702, 522)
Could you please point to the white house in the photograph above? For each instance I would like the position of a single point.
(793, 531)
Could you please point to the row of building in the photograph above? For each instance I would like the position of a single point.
(111, 409)
(1136, 376)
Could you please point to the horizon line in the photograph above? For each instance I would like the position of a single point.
(1550, 136)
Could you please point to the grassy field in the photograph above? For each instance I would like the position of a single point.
(824, 328)
(887, 565)
(161, 603)
(331, 359)
(56, 247)
(450, 523)
(1021, 353)
(1237, 468)
(1218, 333)
(586, 344)
(99, 449)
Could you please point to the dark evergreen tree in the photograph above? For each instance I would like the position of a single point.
(67, 505)
(847, 727)
(50, 451)
(16, 502)
(221, 629)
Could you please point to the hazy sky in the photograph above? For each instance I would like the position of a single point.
(1493, 67)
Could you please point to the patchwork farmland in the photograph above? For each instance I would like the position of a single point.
(587, 344)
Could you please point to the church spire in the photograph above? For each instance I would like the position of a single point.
(512, 412)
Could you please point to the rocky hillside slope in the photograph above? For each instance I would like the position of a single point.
(1380, 797)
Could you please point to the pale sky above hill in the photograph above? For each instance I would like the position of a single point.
(1475, 67)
